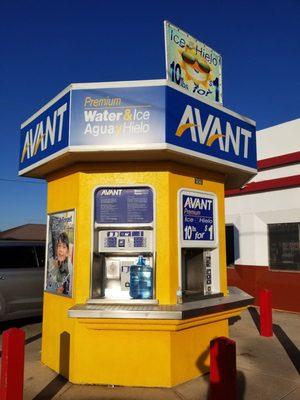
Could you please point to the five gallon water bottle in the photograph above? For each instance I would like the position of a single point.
(141, 276)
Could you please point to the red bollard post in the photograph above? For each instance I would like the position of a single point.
(222, 369)
(12, 367)
(265, 303)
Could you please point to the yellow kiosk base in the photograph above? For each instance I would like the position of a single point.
(145, 353)
(133, 352)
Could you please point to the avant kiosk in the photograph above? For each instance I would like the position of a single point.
(138, 171)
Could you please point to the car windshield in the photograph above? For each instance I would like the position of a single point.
(17, 257)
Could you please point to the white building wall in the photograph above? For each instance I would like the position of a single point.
(250, 214)
(275, 173)
(278, 140)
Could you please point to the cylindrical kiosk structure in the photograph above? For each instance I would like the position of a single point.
(135, 282)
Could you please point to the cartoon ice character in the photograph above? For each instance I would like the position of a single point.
(195, 67)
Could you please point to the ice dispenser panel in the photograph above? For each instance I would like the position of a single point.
(198, 252)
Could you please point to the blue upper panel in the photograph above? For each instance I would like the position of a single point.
(209, 130)
(128, 121)
(45, 135)
(118, 116)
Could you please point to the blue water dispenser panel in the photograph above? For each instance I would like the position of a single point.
(124, 246)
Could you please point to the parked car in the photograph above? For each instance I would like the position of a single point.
(21, 278)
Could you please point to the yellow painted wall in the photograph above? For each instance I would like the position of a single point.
(145, 352)
(62, 195)
(91, 349)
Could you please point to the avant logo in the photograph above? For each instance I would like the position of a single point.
(198, 203)
(111, 192)
(46, 133)
(209, 131)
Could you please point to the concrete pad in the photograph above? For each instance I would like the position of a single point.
(260, 386)
(294, 395)
(242, 325)
(193, 390)
(290, 323)
(36, 375)
(80, 392)
(265, 355)
(258, 353)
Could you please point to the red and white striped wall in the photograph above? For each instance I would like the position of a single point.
(271, 197)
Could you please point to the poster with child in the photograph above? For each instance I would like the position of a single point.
(60, 251)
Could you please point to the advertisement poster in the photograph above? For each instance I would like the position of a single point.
(60, 253)
(198, 218)
(192, 65)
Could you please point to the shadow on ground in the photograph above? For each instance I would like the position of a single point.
(288, 345)
(60, 380)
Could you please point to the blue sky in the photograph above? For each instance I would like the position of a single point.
(44, 46)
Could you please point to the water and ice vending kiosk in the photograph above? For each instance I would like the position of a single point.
(135, 281)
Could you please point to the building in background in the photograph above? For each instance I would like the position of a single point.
(263, 220)
(25, 232)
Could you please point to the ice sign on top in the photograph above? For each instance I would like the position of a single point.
(198, 215)
(192, 65)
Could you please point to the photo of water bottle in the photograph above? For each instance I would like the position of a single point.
(141, 278)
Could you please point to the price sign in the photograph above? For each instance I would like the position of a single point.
(198, 219)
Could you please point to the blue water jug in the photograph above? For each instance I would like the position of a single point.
(141, 276)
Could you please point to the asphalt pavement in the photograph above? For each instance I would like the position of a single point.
(267, 368)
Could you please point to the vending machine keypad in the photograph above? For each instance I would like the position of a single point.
(207, 272)
(111, 242)
(125, 240)
(140, 242)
